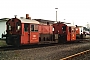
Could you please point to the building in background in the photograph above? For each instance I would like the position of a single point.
(88, 25)
(3, 26)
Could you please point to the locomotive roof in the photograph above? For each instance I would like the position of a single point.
(43, 20)
(79, 26)
(24, 20)
(70, 25)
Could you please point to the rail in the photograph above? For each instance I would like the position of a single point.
(81, 53)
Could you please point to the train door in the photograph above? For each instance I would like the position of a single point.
(34, 33)
(25, 34)
(73, 34)
(64, 35)
(70, 33)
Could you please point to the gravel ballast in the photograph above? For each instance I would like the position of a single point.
(45, 53)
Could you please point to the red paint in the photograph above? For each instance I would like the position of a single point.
(77, 30)
(58, 28)
(34, 37)
(12, 23)
(29, 37)
(45, 29)
(24, 36)
(71, 35)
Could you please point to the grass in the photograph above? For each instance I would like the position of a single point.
(2, 43)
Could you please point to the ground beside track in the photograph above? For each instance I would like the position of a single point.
(2, 43)
(45, 53)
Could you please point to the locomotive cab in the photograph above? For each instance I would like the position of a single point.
(60, 32)
(22, 31)
(71, 35)
(64, 33)
(79, 32)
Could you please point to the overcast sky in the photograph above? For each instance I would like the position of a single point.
(70, 10)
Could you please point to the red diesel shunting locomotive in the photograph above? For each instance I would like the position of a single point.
(64, 32)
(22, 31)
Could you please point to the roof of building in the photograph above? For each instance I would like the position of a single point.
(4, 19)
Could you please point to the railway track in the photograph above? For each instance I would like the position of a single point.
(43, 52)
(75, 55)
(7, 48)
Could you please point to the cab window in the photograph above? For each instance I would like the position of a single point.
(8, 26)
(64, 28)
(73, 30)
(26, 27)
(69, 29)
(34, 27)
(18, 26)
